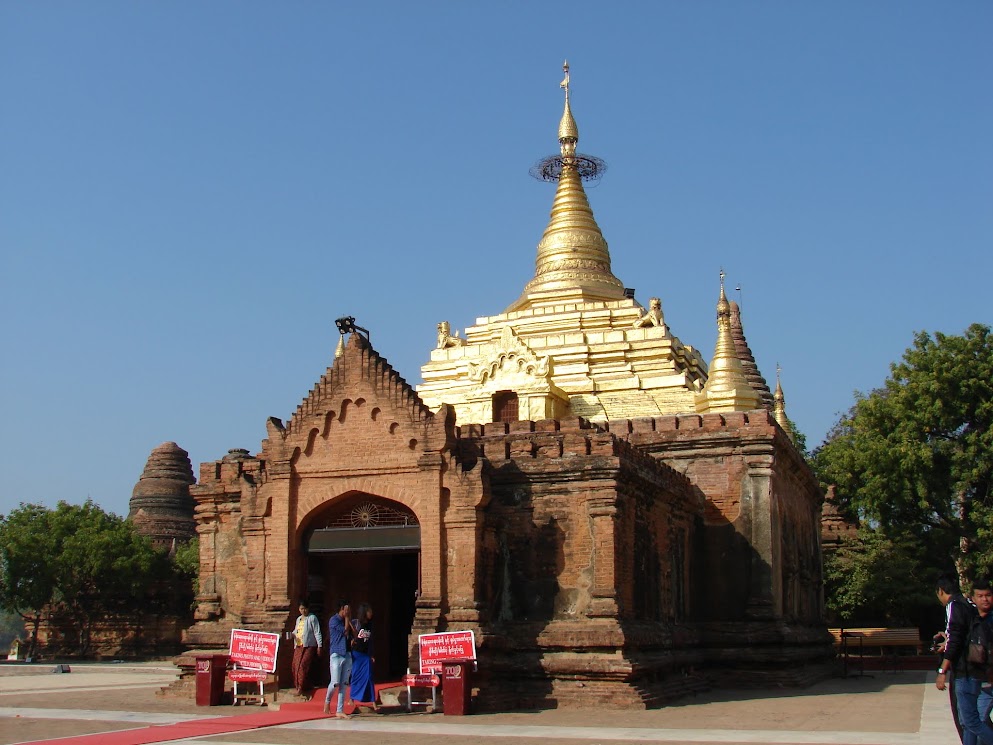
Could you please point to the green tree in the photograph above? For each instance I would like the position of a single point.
(876, 579)
(914, 458)
(104, 568)
(76, 560)
(28, 570)
(186, 561)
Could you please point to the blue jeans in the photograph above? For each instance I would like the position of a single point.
(341, 667)
(969, 697)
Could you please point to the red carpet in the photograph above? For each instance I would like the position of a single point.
(287, 714)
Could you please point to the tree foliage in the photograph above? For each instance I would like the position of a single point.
(876, 580)
(914, 459)
(77, 560)
(187, 563)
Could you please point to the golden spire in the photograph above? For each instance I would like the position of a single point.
(573, 263)
(340, 349)
(727, 388)
(779, 406)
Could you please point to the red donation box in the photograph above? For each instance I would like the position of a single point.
(456, 687)
(210, 678)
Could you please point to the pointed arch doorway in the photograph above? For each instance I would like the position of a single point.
(366, 549)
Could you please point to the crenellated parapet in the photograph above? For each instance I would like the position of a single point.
(565, 438)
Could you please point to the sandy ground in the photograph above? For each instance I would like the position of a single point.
(100, 698)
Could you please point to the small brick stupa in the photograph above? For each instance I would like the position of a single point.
(161, 505)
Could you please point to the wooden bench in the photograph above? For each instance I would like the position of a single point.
(855, 640)
(879, 637)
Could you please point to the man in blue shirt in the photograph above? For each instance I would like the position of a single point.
(340, 632)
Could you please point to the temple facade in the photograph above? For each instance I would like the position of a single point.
(607, 512)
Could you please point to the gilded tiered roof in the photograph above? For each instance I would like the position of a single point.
(574, 343)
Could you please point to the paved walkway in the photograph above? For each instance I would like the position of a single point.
(891, 708)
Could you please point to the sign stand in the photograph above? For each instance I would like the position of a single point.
(414, 682)
(253, 654)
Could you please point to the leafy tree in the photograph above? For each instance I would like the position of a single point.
(28, 571)
(914, 459)
(105, 567)
(876, 579)
(799, 438)
(186, 561)
(76, 560)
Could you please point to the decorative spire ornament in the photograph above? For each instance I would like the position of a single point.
(727, 388)
(573, 262)
(779, 406)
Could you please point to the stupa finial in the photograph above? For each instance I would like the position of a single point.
(568, 129)
(727, 387)
(779, 405)
(573, 263)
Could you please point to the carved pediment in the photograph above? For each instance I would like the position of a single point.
(509, 356)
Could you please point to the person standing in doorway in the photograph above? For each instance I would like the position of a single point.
(339, 642)
(307, 643)
(363, 690)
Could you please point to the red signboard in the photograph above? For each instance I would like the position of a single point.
(436, 649)
(247, 676)
(254, 649)
(421, 681)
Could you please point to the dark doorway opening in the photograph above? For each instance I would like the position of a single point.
(366, 549)
(388, 581)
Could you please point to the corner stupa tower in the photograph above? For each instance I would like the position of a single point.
(779, 407)
(728, 388)
(575, 342)
(748, 365)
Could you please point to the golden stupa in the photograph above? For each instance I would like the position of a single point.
(575, 343)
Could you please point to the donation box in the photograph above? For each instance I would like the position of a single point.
(456, 687)
(211, 669)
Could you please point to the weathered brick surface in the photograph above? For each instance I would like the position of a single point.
(586, 559)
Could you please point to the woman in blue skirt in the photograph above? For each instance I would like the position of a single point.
(363, 690)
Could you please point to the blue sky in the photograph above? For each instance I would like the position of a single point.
(191, 193)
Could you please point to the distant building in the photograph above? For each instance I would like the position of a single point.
(161, 506)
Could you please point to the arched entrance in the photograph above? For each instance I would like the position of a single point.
(366, 549)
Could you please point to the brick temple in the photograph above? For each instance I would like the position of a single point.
(616, 519)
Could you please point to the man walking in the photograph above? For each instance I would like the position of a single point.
(340, 631)
(307, 643)
(968, 678)
(982, 598)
